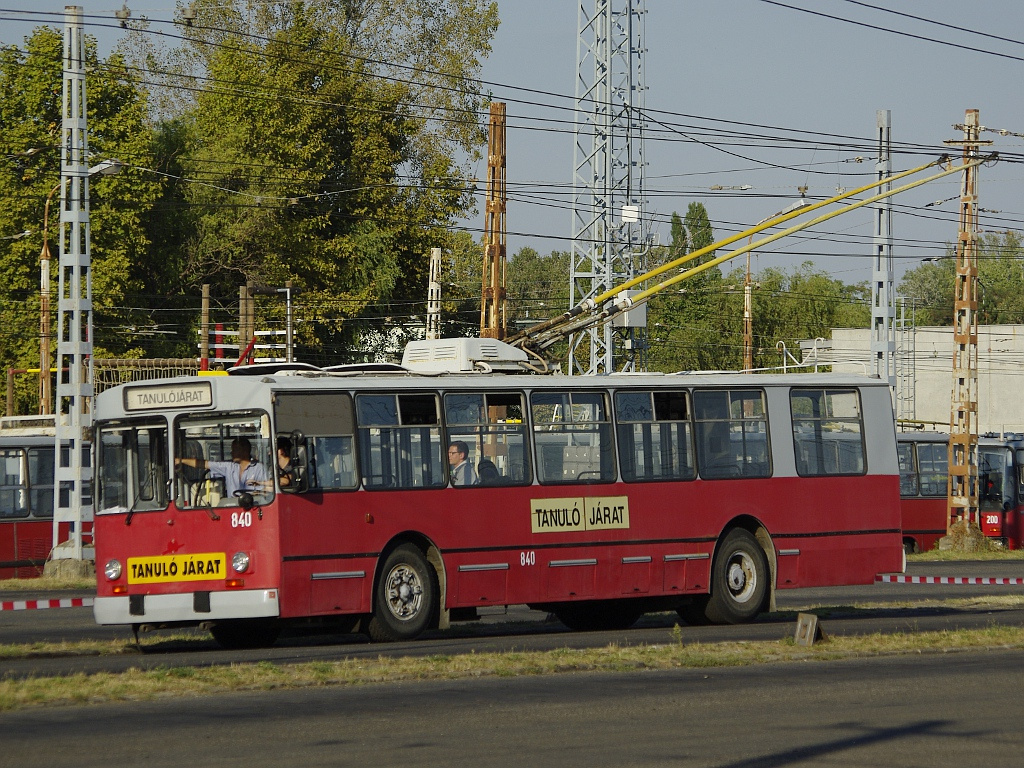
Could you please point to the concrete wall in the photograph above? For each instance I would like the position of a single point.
(1000, 372)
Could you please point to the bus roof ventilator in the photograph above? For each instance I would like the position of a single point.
(463, 356)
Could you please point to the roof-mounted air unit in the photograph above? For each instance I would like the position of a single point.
(463, 356)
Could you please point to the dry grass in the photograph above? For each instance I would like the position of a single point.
(46, 584)
(137, 685)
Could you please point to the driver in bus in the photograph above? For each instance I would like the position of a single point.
(240, 474)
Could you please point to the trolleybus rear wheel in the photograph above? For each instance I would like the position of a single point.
(406, 597)
(739, 580)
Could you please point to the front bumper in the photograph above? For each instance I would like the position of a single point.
(187, 607)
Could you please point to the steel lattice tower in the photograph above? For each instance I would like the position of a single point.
(883, 283)
(608, 172)
(74, 324)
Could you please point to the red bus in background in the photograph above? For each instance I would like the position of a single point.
(924, 476)
(595, 498)
(26, 495)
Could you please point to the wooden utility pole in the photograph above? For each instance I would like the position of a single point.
(962, 490)
(492, 300)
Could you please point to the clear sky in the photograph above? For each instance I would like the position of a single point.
(758, 94)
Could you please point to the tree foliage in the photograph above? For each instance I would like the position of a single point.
(685, 328)
(931, 286)
(318, 144)
(30, 137)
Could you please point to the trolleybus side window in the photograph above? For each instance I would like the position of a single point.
(400, 441)
(573, 437)
(828, 432)
(493, 428)
(203, 439)
(732, 433)
(655, 435)
(908, 472)
(933, 468)
(326, 423)
(14, 496)
(134, 461)
(40, 482)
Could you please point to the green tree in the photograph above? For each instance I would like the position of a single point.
(799, 305)
(685, 329)
(1000, 271)
(537, 289)
(30, 136)
(319, 147)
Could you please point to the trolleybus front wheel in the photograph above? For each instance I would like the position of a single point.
(739, 580)
(406, 597)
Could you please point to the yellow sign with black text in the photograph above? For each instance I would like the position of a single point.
(579, 514)
(203, 566)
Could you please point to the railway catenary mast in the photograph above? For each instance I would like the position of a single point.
(962, 494)
(608, 174)
(74, 324)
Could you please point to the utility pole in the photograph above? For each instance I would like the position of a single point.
(492, 297)
(434, 296)
(962, 521)
(883, 283)
(204, 330)
(74, 325)
(608, 172)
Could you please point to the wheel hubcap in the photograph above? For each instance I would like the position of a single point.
(741, 577)
(405, 592)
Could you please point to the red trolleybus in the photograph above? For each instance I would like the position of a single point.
(595, 498)
(924, 474)
(26, 495)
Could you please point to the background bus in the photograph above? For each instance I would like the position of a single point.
(26, 495)
(600, 498)
(924, 476)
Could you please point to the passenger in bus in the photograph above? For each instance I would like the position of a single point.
(462, 471)
(285, 470)
(240, 474)
(489, 474)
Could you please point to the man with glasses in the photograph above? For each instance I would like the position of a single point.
(462, 471)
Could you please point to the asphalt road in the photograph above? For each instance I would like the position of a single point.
(937, 710)
(522, 629)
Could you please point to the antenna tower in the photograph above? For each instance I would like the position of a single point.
(608, 171)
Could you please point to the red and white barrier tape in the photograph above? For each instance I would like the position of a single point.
(898, 578)
(39, 605)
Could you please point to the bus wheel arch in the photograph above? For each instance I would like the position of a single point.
(743, 572)
(408, 590)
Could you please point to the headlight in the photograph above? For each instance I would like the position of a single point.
(112, 570)
(240, 562)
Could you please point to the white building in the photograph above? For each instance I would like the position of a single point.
(925, 372)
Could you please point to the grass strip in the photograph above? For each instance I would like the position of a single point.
(137, 685)
(47, 584)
